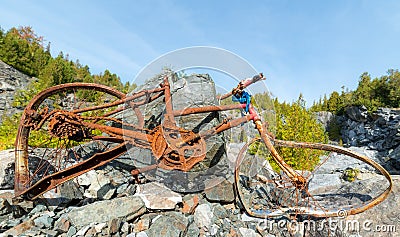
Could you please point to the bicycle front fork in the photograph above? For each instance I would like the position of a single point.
(297, 180)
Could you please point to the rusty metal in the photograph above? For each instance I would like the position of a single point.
(243, 85)
(67, 125)
(51, 181)
(168, 148)
(173, 147)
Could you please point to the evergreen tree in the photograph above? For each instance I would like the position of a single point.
(24, 50)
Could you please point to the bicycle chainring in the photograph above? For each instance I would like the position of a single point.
(172, 152)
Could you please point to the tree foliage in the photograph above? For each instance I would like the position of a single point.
(296, 123)
(382, 91)
(9, 129)
(24, 50)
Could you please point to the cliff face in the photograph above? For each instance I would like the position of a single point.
(377, 132)
(11, 80)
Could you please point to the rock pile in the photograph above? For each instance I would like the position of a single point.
(108, 202)
(379, 132)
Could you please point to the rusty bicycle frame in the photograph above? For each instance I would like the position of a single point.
(168, 142)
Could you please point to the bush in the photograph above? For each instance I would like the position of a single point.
(8, 131)
(295, 123)
(350, 174)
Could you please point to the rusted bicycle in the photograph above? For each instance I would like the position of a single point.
(66, 116)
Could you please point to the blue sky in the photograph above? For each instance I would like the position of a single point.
(309, 47)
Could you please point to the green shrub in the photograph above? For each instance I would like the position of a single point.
(350, 174)
(295, 123)
(8, 131)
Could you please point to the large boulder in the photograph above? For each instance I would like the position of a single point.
(357, 113)
(7, 167)
(195, 90)
(324, 118)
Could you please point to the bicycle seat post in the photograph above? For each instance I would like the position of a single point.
(169, 115)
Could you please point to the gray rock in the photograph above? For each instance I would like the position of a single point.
(122, 188)
(44, 221)
(103, 211)
(106, 192)
(324, 118)
(385, 214)
(83, 230)
(71, 190)
(219, 189)
(49, 233)
(23, 207)
(87, 178)
(324, 181)
(219, 211)
(5, 207)
(157, 196)
(339, 163)
(191, 91)
(62, 225)
(99, 184)
(72, 231)
(173, 224)
(203, 215)
(247, 232)
(142, 234)
(394, 156)
(233, 150)
(193, 230)
(11, 80)
(378, 132)
(214, 230)
(359, 114)
(7, 167)
(38, 208)
(125, 227)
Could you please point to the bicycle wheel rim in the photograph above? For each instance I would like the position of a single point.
(313, 208)
(23, 174)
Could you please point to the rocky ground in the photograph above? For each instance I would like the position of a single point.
(108, 202)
